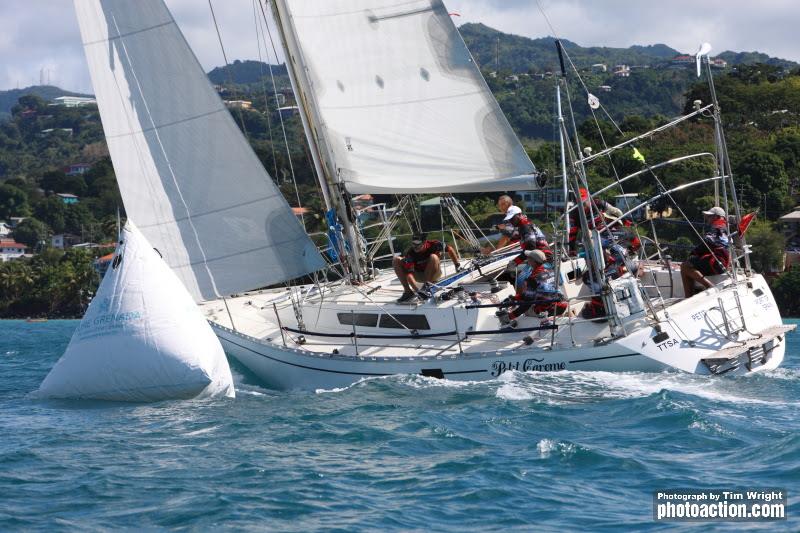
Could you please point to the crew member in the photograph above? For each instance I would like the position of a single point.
(422, 258)
(596, 220)
(515, 227)
(536, 287)
(711, 257)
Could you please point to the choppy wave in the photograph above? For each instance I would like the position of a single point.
(526, 451)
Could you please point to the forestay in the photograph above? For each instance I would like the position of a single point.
(398, 99)
(186, 173)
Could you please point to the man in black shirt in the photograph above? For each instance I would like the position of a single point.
(422, 258)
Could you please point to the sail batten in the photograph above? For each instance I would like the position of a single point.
(399, 102)
(186, 173)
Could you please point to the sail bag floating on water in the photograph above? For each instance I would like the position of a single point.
(187, 175)
(142, 338)
(398, 100)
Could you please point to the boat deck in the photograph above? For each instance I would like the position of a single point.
(367, 321)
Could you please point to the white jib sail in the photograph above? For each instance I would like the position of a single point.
(398, 98)
(187, 175)
(142, 337)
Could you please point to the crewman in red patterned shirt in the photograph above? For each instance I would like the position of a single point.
(422, 258)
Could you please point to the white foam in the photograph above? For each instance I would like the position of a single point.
(571, 387)
(548, 447)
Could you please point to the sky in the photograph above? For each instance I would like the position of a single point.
(39, 39)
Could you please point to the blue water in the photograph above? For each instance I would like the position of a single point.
(545, 452)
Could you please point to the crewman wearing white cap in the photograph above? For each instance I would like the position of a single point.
(709, 258)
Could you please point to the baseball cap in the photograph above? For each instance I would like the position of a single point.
(715, 211)
(511, 212)
(536, 255)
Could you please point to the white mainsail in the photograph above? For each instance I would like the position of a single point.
(398, 100)
(142, 337)
(186, 173)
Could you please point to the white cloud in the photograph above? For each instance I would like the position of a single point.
(36, 34)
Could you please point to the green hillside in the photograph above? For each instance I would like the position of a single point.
(47, 92)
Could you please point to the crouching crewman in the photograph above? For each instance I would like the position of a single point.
(536, 287)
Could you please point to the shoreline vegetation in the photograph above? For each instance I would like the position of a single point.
(49, 151)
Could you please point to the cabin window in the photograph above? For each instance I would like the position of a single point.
(405, 321)
(368, 320)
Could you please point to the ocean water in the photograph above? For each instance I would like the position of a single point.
(543, 452)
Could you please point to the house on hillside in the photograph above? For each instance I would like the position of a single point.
(599, 67)
(77, 169)
(10, 250)
(68, 198)
(64, 240)
(543, 200)
(681, 61)
(622, 71)
(790, 224)
(73, 101)
(5, 229)
(50, 131)
(238, 104)
(719, 63)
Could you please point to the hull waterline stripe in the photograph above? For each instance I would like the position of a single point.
(606, 357)
(336, 371)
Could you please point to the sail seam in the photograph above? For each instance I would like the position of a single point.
(166, 124)
(236, 254)
(405, 102)
(205, 213)
(357, 12)
(123, 35)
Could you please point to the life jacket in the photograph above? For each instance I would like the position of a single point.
(714, 248)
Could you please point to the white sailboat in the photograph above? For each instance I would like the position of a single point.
(391, 102)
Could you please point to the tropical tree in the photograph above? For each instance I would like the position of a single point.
(32, 232)
(13, 202)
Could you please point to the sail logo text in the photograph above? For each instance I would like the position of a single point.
(529, 365)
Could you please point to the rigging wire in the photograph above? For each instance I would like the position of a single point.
(264, 90)
(227, 67)
(280, 115)
(658, 181)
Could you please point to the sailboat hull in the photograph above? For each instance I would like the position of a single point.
(288, 369)
(696, 337)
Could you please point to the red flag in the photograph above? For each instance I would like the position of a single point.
(745, 223)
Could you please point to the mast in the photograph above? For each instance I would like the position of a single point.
(562, 141)
(324, 165)
(725, 168)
